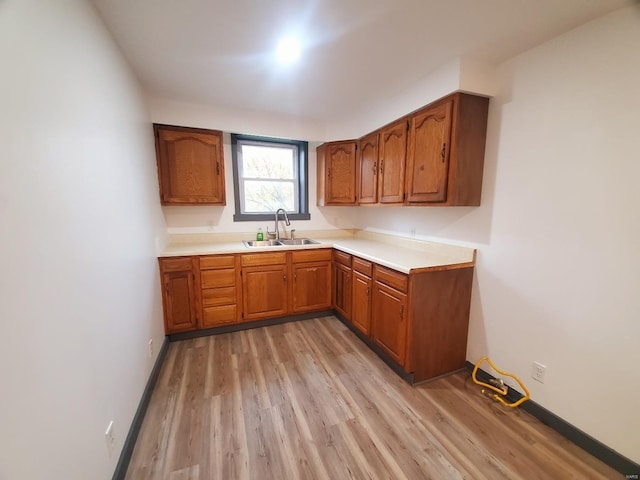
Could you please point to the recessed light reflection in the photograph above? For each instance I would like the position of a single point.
(288, 50)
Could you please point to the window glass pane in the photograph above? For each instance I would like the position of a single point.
(268, 162)
(267, 197)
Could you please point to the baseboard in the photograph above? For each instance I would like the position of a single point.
(589, 444)
(236, 327)
(132, 436)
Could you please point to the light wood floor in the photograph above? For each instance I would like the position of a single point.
(308, 400)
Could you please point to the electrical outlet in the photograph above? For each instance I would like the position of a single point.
(150, 347)
(413, 232)
(109, 435)
(538, 372)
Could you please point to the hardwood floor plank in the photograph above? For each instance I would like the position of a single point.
(308, 400)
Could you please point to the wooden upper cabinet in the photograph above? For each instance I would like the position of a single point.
(428, 159)
(446, 151)
(392, 158)
(337, 166)
(190, 166)
(367, 169)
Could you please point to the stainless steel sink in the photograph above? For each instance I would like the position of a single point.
(262, 243)
(279, 243)
(299, 241)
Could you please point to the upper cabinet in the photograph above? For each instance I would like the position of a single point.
(190, 165)
(367, 169)
(433, 156)
(445, 157)
(337, 173)
(392, 158)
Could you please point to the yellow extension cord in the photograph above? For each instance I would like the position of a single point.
(500, 391)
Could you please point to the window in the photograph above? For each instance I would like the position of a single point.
(268, 174)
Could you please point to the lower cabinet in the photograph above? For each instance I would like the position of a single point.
(265, 285)
(311, 272)
(341, 286)
(220, 290)
(361, 292)
(179, 293)
(418, 321)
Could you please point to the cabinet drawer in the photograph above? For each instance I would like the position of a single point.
(255, 259)
(219, 315)
(218, 278)
(363, 266)
(341, 257)
(217, 261)
(178, 264)
(392, 278)
(301, 256)
(218, 296)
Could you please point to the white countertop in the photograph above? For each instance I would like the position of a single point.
(398, 253)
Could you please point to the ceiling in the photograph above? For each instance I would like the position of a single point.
(220, 53)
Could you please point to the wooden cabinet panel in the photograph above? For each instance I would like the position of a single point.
(367, 166)
(361, 302)
(219, 315)
(179, 294)
(342, 258)
(315, 255)
(311, 286)
(342, 290)
(428, 159)
(393, 152)
(394, 279)
(261, 259)
(217, 261)
(341, 173)
(337, 165)
(219, 296)
(190, 165)
(225, 277)
(390, 321)
(264, 291)
(363, 266)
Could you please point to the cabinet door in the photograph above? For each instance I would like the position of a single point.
(190, 166)
(361, 309)
(389, 321)
(179, 301)
(311, 286)
(393, 153)
(368, 169)
(340, 184)
(264, 291)
(428, 160)
(342, 290)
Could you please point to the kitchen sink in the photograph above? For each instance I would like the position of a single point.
(299, 241)
(279, 243)
(261, 243)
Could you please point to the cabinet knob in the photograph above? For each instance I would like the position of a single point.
(284, 277)
(443, 152)
(218, 168)
(375, 167)
(401, 311)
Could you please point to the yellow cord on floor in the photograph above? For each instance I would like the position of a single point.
(500, 390)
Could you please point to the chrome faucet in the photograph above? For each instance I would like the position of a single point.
(286, 222)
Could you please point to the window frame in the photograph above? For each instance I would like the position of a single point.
(302, 184)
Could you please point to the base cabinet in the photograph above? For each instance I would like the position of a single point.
(390, 321)
(419, 321)
(220, 290)
(179, 294)
(341, 285)
(311, 272)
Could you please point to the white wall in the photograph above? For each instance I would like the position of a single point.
(559, 227)
(79, 224)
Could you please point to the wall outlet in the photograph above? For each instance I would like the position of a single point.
(150, 347)
(413, 232)
(109, 436)
(538, 372)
